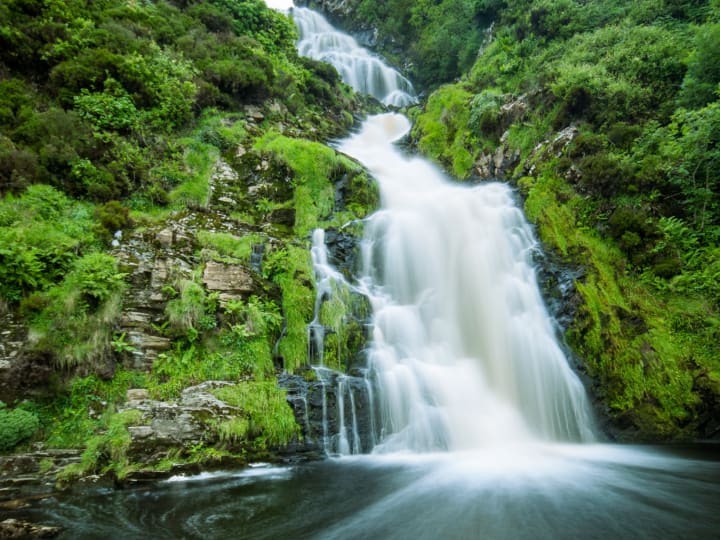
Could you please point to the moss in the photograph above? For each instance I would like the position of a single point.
(442, 130)
(291, 269)
(267, 418)
(314, 165)
(226, 247)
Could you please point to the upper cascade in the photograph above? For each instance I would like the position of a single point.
(358, 67)
(464, 353)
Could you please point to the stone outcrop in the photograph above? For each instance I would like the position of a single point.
(165, 426)
(30, 473)
(502, 162)
(231, 281)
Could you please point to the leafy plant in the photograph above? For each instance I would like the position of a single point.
(16, 425)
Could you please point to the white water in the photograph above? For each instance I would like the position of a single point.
(358, 67)
(463, 349)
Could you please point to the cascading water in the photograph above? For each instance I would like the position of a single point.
(357, 66)
(464, 352)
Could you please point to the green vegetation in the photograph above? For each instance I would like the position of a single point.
(106, 452)
(632, 196)
(116, 116)
(290, 268)
(225, 247)
(266, 419)
(16, 425)
(441, 133)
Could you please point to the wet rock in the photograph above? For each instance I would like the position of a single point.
(14, 528)
(317, 408)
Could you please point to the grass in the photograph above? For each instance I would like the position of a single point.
(291, 269)
(442, 130)
(269, 417)
(624, 329)
(226, 247)
(315, 165)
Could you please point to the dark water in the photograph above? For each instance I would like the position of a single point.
(558, 492)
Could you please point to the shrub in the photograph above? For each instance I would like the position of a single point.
(485, 111)
(96, 277)
(602, 175)
(16, 425)
(113, 216)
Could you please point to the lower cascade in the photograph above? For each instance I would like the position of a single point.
(463, 352)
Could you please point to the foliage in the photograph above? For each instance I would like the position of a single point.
(107, 451)
(75, 325)
(74, 416)
(16, 425)
(440, 130)
(40, 233)
(226, 247)
(193, 311)
(269, 420)
(290, 268)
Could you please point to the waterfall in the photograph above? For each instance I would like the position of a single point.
(464, 352)
(358, 67)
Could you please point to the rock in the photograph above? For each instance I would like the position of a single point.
(310, 398)
(254, 113)
(282, 216)
(563, 139)
(230, 280)
(169, 425)
(14, 528)
(137, 394)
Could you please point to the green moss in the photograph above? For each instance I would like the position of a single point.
(291, 269)
(226, 247)
(315, 166)
(442, 130)
(267, 418)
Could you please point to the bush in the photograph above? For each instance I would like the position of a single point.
(96, 278)
(113, 216)
(700, 86)
(602, 175)
(16, 425)
(485, 111)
